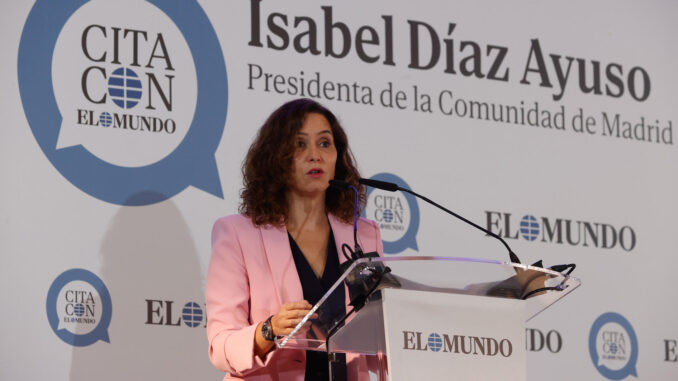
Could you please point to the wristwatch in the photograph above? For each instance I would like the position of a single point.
(267, 330)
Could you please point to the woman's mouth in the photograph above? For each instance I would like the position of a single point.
(315, 173)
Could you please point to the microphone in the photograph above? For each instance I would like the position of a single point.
(360, 287)
(383, 185)
(391, 187)
(365, 279)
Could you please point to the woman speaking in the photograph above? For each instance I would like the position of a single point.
(277, 258)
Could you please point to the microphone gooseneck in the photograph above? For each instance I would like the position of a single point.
(391, 187)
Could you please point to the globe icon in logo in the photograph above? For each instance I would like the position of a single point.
(79, 309)
(388, 215)
(192, 314)
(613, 348)
(124, 87)
(529, 228)
(435, 342)
(105, 119)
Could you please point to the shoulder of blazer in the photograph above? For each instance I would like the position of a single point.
(242, 224)
(236, 220)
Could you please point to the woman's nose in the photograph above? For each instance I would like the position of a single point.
(314, 154)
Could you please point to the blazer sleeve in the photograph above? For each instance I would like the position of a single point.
(227, 296)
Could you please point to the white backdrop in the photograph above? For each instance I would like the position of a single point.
(134, 208)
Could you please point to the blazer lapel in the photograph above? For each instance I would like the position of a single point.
(279, 255)
(282, 267)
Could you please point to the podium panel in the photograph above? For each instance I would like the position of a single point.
(439, 336)
(434, 315)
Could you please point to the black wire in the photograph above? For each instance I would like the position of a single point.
(557, 288)
(560, 268)
(343, 250)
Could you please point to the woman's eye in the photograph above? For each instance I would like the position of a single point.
(325, 144)
(301, 144)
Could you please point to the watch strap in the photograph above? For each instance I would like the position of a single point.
(267, 330)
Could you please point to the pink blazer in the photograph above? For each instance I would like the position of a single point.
(251, 275)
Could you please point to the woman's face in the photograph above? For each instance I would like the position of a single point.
(314, 158)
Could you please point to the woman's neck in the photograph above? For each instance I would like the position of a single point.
(305, 213)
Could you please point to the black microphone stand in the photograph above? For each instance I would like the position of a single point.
(391, 187)
(360, 288)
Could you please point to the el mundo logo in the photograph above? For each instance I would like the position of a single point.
(613, 346)
(396, 213)
(164, 312)
(79, 308)
(127, 99)
(561, 231)
(457, 344)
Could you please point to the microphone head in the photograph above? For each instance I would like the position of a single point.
(383, 185)
(339, 184)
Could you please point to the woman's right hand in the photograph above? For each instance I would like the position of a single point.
(289, 316)
(282, 323)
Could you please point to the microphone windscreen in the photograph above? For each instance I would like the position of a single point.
(384, 185)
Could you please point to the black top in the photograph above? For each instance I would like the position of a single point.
(314, 289)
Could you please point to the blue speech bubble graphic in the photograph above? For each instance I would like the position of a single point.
(409, 239)
(191, 163)
(630, 367)
(101, 330)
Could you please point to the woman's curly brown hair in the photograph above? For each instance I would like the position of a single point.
(269, 161)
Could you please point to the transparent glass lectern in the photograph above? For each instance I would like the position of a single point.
(362, 332)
